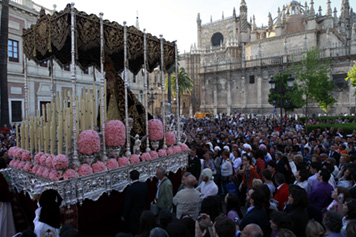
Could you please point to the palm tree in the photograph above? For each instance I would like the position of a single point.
(185, 85)
(4, 32)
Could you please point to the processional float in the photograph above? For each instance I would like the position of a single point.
(85, 144)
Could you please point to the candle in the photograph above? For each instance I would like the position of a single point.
(43, 111)
(82, 112)
(26, 135)
(100, 110)
(31, 135)
(105, 101)
(48, 112)
(91, 109)
(45, 145)
(60, 135)
(17, 136)
(39, 138)
(35, 134)
(52, 139)
(95, 105)
(69, 132)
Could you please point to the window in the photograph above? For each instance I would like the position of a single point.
(252, 79)
(339, 81)
(134, 78)
(43, 63)
(13, 50)
(16, 111)
(217, 39)
(67, 67)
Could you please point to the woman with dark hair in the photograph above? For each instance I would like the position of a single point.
(249, 172)
(349, 210)
(233, 207)
(339, 195)
(278, 221)
(298, 204)
(147, 223)
(48, 220)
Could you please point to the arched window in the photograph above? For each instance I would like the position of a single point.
(217, 39)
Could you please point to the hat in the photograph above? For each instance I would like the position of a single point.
(247, 146)
(211, 145)
(208, 173)
(217, 148)
(226, 148)
(262, 146)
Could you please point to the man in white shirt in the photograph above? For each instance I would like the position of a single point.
(207, 187)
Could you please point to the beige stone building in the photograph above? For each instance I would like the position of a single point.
(233, 60)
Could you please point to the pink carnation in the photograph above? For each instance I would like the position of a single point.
(115, 133)
(89, 142)
(28, 167)
(112, 164)
(177, 149)
(134, 159)
(49, 162)
(46, 173)
(123, 161)
(19, 153)
(98, 166)
(155, 129)
(21, 164)
(40, 170)
(184, 147)
(60, 162)
(146, 156)
(35, 169)
(54, 175)
(43, 159)
(26, 156)
(170, 139)
(12, 163)
(12, 151)
(16, 163)
(85, 169)
(162, 152)
(69, 174)
(170, 151)
(37, 157)
(154, 154)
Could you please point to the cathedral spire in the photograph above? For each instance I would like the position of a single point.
(254, 26)
(312, 11)
(198, 19)
(306, 8)
(137, 22)
(329, 10)
(234, 13)
(243, 3)
(270, 21)
(320, 11)
(279, 20)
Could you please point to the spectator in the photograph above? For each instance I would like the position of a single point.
(333, 223)
(207, 187)
(164, 194)
(233, 207)
(314, 229)
(282, 193)
(278, 221)
(194, 165)
(147, 223)
(321, 195)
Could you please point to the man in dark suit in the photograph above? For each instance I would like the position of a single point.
(256, 213)
(135, 202)
(332, 153)
(194, 165)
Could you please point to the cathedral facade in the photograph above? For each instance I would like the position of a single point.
(233, 60)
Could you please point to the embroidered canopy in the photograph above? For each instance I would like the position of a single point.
(50, 37)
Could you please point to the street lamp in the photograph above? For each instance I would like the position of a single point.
(281, 90)
(151, 98)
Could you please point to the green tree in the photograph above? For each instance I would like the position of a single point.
(351, 75)
(185, 84)
(314, 81)
(4, 32)
(293, 97)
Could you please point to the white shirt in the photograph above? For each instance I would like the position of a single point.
(207, 189)
(226, 168)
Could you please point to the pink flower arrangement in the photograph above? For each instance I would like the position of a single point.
(184, 147)
(154, 154)
(112, 164)
(134, 159)
(38, 157)
(115, 133)
(146, 156)
(40, 171)
(21, 164)
(98, 166)
(89, 142)
(162, 152)
(85, 169)
(35, 169)
(60, 162)
(54, 175)
(177, 149)
(16, 163)
(49, 161)
(12, 163)
(170, 139)
(26, 156)
(123, 161)
(43, 159)
(170, 151)
(46, 173)
(155, 129)
(12, 151)
(28, 167)
(69, 174)
(19, 153)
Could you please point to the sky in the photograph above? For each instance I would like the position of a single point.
(176, 19)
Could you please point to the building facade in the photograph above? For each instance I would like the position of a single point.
(233, 60)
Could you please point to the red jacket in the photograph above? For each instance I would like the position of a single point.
(282, 196)
(252, 175)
